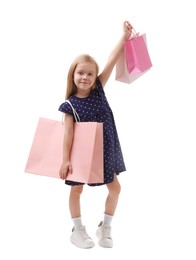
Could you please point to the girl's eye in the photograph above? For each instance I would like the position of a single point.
(81, 73)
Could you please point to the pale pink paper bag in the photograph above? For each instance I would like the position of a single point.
(45, 155)
(134, 60)
(46, 152)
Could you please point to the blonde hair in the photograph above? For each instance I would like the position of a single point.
(71, 87)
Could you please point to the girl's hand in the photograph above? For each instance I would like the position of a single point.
(127, 30)
(65, 169)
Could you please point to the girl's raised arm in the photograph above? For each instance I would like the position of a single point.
(104, 76)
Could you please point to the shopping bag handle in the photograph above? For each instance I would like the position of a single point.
(76, 116)
(134, 33)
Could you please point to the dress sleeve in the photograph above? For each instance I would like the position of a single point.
(99, 86)
(66, 108)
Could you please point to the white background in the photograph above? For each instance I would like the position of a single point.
(155, 117)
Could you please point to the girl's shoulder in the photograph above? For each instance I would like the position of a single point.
(99, 86)
(65, 108)
(98, 83)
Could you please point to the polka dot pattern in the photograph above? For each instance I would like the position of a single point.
(95, 108)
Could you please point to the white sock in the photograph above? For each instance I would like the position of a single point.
(77, 222)
(107, 219)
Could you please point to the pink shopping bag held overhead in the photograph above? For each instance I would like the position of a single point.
(137, 56)
(134, 60)
(46, 152)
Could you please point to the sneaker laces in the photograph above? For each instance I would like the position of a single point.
(82, 232)
(106, 231)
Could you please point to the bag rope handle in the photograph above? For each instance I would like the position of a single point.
(134, 33)
(76, 116)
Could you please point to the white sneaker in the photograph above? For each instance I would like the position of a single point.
(80, 238)
(104, 235)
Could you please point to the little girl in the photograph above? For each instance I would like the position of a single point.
(85, 92)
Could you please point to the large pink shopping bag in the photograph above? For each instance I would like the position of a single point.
(134, 60)
(87, 153)
(46, 152)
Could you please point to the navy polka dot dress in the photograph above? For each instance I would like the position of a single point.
(95, 108)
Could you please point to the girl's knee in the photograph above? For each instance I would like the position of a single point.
(118, 188)
(114, 187)
(77, 190)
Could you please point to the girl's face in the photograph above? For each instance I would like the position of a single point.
(84, 78)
